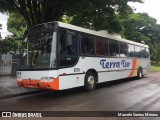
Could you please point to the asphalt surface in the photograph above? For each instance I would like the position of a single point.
(121, 95)
(9, 88)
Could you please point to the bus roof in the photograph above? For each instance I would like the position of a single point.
(102, 33)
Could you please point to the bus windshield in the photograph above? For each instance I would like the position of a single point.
(38, 49)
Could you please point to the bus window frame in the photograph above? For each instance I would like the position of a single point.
(108, 51)
(118, 49)
(87, 55)
(134, 52)
(136, 55)
(126, 56)
(148, 51)
(56, 29)
(58, 50)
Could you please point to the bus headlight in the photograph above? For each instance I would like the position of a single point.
(19, 78)
(46, 79)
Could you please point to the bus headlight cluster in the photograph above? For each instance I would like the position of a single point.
(19, 78)
(46, 79)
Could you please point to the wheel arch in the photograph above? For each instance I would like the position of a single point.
(95, 73)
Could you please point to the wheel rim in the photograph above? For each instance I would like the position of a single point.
(91, 81)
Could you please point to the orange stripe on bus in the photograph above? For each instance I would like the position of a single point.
(134, 62)
(56, 84)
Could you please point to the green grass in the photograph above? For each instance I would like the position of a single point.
(155, 68)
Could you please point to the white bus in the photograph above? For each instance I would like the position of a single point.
(60, 56)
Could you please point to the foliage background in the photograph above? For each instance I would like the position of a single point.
(115, 16)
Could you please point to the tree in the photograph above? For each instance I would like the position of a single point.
(96, 20)
(141, 27)
(88, 11)
(16, 24)
(97, 16)
(8, 45)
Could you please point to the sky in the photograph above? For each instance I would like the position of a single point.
(3, 21)
(152, 7)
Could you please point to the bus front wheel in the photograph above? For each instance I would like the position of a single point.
(90, 81)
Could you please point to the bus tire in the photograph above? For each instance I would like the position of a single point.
(139, 73)
(90, 81)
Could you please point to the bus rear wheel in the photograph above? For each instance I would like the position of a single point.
(139, 73)
(90, 81)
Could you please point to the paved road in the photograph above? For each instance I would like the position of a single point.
(122, 95)
(9, 88)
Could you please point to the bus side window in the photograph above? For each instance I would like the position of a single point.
(143, 52)
(68, 49)
(131, 52)
(72, 46)
(137, 51)
(114, 48)
(87, 45)
(147, 53)
(123, 49)
(101, 46)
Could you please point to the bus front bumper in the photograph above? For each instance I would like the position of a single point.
(37, 84)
